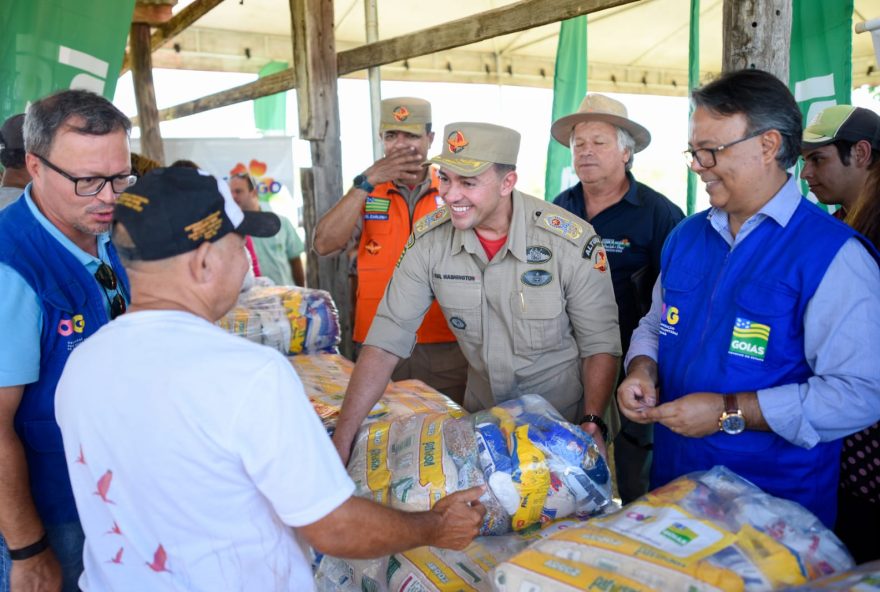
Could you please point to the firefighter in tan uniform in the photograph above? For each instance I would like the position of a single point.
(377, 213)
(523, 284)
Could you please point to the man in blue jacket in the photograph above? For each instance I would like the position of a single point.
(759, 350)
(61, 281)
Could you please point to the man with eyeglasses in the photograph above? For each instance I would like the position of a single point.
(758, 351)
(61, 281)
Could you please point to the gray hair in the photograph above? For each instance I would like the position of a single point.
(625, 141)
(95, 115)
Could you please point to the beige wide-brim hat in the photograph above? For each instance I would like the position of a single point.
(596, 107)
(471, 148)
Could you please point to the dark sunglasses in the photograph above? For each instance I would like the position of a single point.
(107, 279)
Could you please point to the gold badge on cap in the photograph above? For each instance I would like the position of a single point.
(400, 113)
(456, 142)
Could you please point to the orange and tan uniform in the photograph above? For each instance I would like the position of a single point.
(386, 227)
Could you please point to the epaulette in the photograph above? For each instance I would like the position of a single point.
(431, 220)
(563, 226)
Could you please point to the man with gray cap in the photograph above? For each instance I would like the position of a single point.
(378, 213)
(15, 174)
(633, 221)
(200, 464)
(839, 147)
(523, 285)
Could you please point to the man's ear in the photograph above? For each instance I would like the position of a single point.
(771, 144)
(508, 183)
(860, 153)
(201, 264)
(32, 164)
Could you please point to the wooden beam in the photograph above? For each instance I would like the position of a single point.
(510, 19)
(757, 34)
(144, 93)
(174, 26)
(314, 58)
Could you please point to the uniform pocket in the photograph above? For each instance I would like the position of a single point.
(764, 321)
(461, 303)
(537, 320)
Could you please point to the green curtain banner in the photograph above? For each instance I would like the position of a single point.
(569, 88)
(821, 58)
(693, 82)
(270, 113)
(49, 45)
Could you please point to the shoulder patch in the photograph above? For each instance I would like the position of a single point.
(591, 246)
(432, 220)
(562, 226)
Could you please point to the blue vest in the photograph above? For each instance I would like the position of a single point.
(734, 321)
(73, 308)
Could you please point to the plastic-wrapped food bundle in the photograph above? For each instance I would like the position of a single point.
(291, 319)
(325, 378)
(428, 568)
(863, 578)
(537, 466)
(706, 531)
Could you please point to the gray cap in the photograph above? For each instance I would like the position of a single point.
(471, 148)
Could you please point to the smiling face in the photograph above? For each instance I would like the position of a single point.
(731, 182)
(80, 155)
(596, 155)
(481, 203)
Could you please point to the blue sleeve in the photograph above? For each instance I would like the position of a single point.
(21, 317)
(841, 341)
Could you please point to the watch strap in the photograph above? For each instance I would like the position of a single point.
(31, 550)
(730, 404)
(361, 182)
(590, 418)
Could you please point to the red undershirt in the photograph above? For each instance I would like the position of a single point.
(491, 246)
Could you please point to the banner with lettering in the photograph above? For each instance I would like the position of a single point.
(821, 57)
(49, 45)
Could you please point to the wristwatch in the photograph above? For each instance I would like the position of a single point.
(599, 422)
(361, 182)
(731, 421)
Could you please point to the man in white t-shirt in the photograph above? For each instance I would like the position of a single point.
(200, 450)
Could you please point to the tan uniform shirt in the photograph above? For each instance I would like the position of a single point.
(523, 320)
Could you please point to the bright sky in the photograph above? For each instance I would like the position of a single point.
(528, 110)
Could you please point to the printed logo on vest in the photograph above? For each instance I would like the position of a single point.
(749, 339)
(669, 318)
(377, 204)
(375, 216)
(67, 327)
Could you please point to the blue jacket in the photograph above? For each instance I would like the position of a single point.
(73, 308)
(732, 320)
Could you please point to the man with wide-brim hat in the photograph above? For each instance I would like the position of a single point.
(377, 214)
(633, 221)
(522, 284)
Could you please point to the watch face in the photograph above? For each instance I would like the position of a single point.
(733, 424)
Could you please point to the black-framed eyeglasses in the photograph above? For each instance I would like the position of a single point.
(107, 279)
(705, 157)
(89, 186)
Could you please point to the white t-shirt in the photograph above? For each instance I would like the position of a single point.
(189, 450)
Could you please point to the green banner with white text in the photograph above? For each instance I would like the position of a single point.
(569, 88)
(49, 45)
(821, 57)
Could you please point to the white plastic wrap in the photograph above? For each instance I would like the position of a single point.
(707, 531)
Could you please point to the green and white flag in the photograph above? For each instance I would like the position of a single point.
(49, 45)
(821, 57)
(569, 88)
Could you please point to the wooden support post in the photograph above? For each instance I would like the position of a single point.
(757, 34)
(314, 58)
(144, 93)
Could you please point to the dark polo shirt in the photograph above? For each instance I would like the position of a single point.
(633, 232)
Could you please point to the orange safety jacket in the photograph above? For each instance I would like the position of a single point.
(386, 228)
